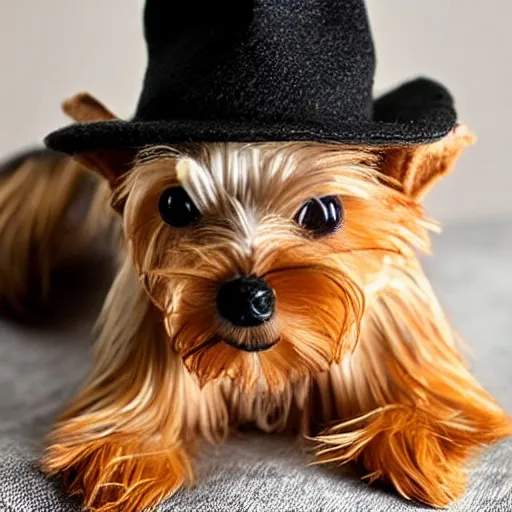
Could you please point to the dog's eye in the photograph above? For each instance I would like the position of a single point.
(177, 209)
(321, 215)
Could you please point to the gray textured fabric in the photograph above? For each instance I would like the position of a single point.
(41, 367)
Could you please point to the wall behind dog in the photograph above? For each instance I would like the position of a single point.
(52, 49)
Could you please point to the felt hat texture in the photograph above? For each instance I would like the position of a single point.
(265, 70)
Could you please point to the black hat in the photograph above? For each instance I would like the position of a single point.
(265, 70)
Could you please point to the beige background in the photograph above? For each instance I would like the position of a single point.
(50, 49)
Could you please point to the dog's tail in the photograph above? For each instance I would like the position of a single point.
(50, 210)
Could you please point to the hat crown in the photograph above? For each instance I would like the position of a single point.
(274, 61)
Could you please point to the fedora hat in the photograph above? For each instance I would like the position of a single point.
(265, 70)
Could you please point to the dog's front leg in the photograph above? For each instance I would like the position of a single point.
(123, 471)
(414, 415)
(121, 444)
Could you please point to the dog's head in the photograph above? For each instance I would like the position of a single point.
(263, 257)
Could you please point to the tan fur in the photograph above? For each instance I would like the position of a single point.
(37, 205)
(366, 362)
(84, 108)
(137, 387)
(418, 168)
(110, 163)
(417, 413)
(51, 211)
(34, 201)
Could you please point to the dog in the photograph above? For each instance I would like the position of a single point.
(270, 284)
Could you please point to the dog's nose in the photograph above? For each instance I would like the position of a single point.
(246, 301)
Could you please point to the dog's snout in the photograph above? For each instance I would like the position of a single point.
(246, 301)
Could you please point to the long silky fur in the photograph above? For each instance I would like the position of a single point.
(372, 371)
(44, 224)
(124, 429)
(416, 415)
(33, 200)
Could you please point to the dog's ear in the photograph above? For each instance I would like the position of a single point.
(85, 108)
(417, 168)
(111, 163)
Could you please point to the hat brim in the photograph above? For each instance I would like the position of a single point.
(418, 112)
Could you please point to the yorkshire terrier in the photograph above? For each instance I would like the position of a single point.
(267, 284)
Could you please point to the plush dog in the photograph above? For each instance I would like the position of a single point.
(270, 217)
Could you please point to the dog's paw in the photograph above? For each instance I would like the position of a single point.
(422, 457)
(115, 474)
